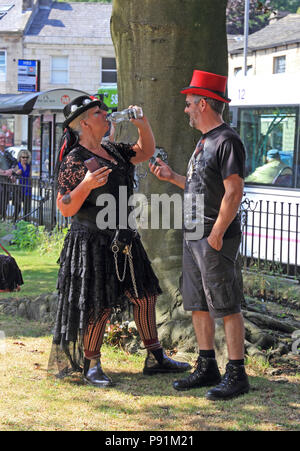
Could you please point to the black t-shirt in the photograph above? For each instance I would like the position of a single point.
(219, 154)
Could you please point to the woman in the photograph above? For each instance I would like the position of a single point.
(23, 190)
(91, 282)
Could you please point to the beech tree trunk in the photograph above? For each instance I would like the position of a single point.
(158, 44)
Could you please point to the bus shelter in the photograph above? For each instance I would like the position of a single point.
(41, 126)
(37, 124)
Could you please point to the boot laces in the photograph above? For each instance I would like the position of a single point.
(230, 377)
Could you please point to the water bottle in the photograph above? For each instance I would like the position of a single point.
(126, 115)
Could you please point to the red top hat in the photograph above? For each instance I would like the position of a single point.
(208, 85)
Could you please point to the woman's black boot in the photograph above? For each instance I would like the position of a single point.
(94, 375)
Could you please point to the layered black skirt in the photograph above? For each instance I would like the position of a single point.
(88, 283)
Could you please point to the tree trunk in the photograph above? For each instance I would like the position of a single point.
(158, 44)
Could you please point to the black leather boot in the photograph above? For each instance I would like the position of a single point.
(234, 383)
(206, 373)
(94, 375)
(166, 365)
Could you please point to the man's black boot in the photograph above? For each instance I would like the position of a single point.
(163, 365)
(234, 383)
(206, 374)
(94, 375)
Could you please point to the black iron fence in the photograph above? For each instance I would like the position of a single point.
(270, 229)
(271, 237)
(30, 199)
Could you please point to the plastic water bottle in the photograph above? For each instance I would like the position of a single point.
(126, 115)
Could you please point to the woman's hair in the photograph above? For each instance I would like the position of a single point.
(24, 153)
(75, 124)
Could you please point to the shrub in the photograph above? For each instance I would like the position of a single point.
(28, 236)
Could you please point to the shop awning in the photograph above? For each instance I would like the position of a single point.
(54, 100)
(17, 103)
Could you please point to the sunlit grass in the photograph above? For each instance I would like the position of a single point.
(39, 272)
(32, 400)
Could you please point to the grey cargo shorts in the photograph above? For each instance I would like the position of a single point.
(209, 278)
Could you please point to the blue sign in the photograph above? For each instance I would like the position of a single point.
(28, 75)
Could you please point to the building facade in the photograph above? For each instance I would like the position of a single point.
(275, 49)
(71, 41)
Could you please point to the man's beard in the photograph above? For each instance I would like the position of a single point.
(192, 123)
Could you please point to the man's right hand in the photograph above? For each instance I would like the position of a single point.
(162, 171)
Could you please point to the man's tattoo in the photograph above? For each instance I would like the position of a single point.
(66, 199)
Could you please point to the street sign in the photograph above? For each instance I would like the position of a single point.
(28, 75)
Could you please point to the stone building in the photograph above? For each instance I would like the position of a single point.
(71, 41)
(275, 49)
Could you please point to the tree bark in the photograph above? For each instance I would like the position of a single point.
(158, 44)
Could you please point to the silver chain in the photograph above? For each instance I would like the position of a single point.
(128, 255)
(132, 272)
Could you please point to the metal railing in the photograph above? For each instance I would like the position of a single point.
(270, 229)
(271, 237)
(30, 199)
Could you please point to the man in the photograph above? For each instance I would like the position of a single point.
(7, 164)
(271, 170)
(210, 287)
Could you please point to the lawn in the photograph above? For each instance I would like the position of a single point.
(31, 400)
(39, 270)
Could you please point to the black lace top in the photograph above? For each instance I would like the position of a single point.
(120, 182)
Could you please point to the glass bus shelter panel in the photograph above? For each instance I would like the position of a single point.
(270, 137)
(36, 146)
(46, 148)
(58, 136)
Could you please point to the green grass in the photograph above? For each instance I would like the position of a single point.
(39, 271)
(32, 400)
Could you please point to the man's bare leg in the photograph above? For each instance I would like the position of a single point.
(235, 335)
(204, 326)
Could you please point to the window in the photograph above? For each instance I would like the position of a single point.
(269, 135)
(239, 71)
(59, 69)
(108, 72)
(2, 65)
(279, 65)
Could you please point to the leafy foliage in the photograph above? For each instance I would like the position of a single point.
(118, 334)
(25, 235)
(28, 236)
(259, 13)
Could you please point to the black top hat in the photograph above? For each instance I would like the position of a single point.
(79, 106)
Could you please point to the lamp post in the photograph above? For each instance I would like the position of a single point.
(246, 31)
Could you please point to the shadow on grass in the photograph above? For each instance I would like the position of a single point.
(15, 326)
(268, 405)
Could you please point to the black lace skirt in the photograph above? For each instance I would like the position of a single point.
(88, 283)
